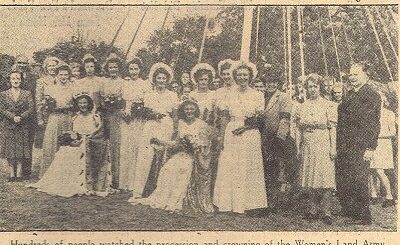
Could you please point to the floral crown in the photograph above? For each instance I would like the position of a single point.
(249, 65)
(157, 66)
(224, 64)
(199, 67)
(89, 57)
(81, 94)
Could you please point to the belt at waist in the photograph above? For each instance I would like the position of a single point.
(313, 129)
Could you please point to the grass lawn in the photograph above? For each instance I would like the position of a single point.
(25, 209)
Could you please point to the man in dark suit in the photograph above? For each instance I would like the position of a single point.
(274, 132)
(357, 134)
(29, 83)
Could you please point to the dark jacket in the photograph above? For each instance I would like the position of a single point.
(358, 121)
(23, 107)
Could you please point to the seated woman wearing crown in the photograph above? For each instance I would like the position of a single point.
(81, 165)
(183, 184)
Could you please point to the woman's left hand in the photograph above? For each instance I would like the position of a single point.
(333, 153)
(239, 131)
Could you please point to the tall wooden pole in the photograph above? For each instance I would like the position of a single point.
(246, 35)
(335, 45)
(386, 31)
(165, 18)
(322, 42)
(116, 34)
(257, 30)
(285, 45)
(136, 32)
(289, 46)
(371, 21)
(301, 42)
(203, 41)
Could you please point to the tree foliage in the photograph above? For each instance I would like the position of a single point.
(74, 51)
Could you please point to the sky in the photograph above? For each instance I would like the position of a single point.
(24, 30)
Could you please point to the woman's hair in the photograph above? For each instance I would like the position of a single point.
(20, 75)
(202, 72)
(97, 68)
(163, 71)
(181, 109)
(83, 96)
(234, 72)
(223, 67)
(113, 60)
(136, 61)
(313, 78)
(63, 67)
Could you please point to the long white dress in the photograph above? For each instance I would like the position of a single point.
(204, 100)
(164, 102)
(240, 184)
(66, 175)
(174, 176)
(131, 132)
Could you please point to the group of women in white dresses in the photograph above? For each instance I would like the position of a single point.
(166, 161)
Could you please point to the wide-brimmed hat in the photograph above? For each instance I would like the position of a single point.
(158, 66)
(199, 67)
(237, 64)
(225, 64)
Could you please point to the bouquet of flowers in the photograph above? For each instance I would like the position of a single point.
(112, 102)
(254, 120)
(138, 110)
(69, 138)
(190, 144)
(49, 103)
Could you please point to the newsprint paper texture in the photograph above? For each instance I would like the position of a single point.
(198, 122)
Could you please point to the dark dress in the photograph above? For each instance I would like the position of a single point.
(15, 140)
(357, 130)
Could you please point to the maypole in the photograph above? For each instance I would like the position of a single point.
(335, 45)
(165, 18)
(116, 34)
(257, 30)
(246, 35)
(371, 21)
(322, 41)
(385, 30)
(284, 46)
(301, 43)
(203, 41)
(136, 32)
(289, 46)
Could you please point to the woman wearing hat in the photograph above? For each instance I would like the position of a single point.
(80, 166)
(42, 85)
(240, 182)
(16, 107)
(317, 150)
(91, 83)
(203, 75)
(57, 104)
(225, 75)
(111, 104)
(133, 91)
(163, 103)
(184, 179)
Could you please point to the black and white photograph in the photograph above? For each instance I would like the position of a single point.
(256, 118)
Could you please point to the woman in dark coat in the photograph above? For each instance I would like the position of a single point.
(16, 107)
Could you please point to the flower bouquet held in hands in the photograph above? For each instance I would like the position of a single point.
(139, 111)
(252, 121)
(69, 138)
(112, 102)
(48, 104)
